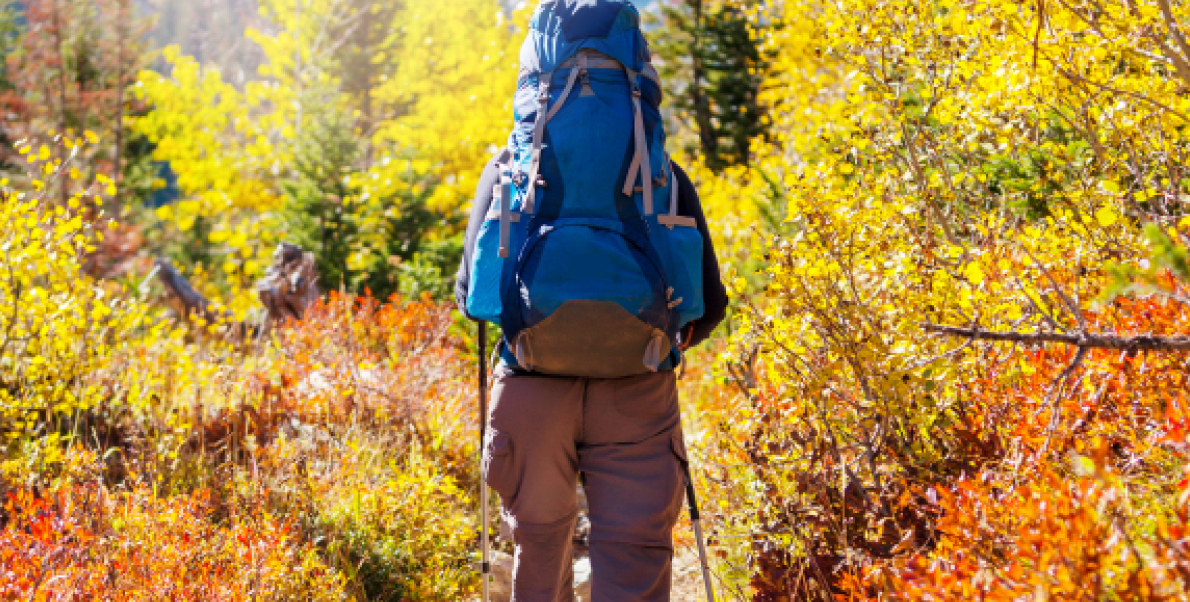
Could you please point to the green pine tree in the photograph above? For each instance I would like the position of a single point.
(320, 192)
(713, 66)
(362, 244)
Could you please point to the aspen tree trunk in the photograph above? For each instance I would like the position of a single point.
(297, 69)
(63, 183)
(117, 168)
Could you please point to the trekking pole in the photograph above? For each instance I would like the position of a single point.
(485, 563)
(702, 549)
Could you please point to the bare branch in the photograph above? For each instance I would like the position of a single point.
(1091, 341)
(1174, 32)
(1057, 391)
(1078, 78)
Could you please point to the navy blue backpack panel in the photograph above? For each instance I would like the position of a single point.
(583, 261)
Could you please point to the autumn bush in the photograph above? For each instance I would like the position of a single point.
(86, 542)
(350, 425)
(56, 325)
(339, 448)
(150, 458)
(951, 175)
(955, 367)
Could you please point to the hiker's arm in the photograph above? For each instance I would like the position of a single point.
(479, 211)
(713, 292)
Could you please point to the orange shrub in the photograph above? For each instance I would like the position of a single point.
(1048, 473)
(86, 543)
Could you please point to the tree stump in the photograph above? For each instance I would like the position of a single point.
(290, 285)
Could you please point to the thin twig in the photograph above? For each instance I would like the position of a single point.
(1057, 392)
(1070, 304)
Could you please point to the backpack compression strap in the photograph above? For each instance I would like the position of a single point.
(543, 117)
(640, 160)
(503, 201)
(672, 218)
(503, 194)
(578, 65)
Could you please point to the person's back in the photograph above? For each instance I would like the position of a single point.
(594, 317)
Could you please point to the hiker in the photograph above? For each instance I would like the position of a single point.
(589, 248)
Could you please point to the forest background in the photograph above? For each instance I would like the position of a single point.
(955, 232)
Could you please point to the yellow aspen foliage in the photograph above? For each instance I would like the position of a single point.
(974, 164)
(424, 126)
(224, 149)
(57, 325)
(457, 73)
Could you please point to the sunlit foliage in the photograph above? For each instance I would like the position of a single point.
(316, 133)
(56, 325)
(980, 165)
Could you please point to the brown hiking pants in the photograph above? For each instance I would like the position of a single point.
(624, 437)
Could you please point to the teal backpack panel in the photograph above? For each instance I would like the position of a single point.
(583, 260)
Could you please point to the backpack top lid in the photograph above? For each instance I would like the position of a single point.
(560, 28)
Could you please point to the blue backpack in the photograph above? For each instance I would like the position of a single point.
(582, 260)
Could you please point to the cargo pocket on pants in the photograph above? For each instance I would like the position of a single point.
(499, 469)
(678, 445)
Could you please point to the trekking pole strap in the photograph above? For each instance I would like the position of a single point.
(691, 501)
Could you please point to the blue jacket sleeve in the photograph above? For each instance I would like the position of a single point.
(714, 294)
(479, 210)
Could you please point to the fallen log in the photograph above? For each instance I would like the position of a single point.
(288, 289)
(181, 297)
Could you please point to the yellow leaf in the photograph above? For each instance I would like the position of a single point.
(974, 273)
(1106, 217)
(91, 136)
